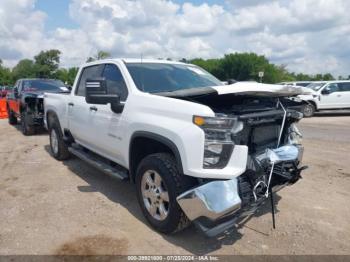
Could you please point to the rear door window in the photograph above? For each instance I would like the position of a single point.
(344, 87)
(88, 72)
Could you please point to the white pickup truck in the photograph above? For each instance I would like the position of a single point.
(326, 95)
(197, 150)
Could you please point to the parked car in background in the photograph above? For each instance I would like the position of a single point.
(197, 150)
(327, 95)
(26, 102)
(297, 83)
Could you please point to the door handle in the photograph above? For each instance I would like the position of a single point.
(70, 104)
(93, 108)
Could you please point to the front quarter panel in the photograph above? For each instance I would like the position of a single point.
(172, 119)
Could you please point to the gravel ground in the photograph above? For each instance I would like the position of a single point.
(50, 207)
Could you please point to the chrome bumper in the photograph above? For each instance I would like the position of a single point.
(219, 199)
(212, 200)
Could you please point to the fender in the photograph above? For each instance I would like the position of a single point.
(54, 115)
(161, 139)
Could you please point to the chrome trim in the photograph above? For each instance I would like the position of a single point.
(212, 200)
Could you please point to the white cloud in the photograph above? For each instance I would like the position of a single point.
(308, 35)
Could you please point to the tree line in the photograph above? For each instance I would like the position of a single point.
(237, 66)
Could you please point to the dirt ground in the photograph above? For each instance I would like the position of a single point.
(51, 207)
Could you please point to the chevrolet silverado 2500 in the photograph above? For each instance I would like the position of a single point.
(196, 150)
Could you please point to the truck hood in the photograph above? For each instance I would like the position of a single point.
(258, 89)
(242, 88)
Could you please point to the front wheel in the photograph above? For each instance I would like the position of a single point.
(309, 110)
(58, 147)
(158, 183)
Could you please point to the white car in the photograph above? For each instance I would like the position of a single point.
(197, 150)
(328, 95)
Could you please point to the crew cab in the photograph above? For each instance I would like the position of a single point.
(197, 150)
(326, 95)
(26, 102)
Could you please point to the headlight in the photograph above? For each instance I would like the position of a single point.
(294, 135)
(218, 144)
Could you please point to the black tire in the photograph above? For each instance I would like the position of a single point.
(11, 117)
(26, 129)
(61, 153)
(309, 110)
(175, 183)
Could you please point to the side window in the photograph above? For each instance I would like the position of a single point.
(88, 72)
(115, 81)
(344, 87)
(333, 88)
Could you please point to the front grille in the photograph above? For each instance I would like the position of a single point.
(265, 136)
(258, 137)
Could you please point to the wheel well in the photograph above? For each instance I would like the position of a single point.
(142, 146)
(312, 103)
(50, 118)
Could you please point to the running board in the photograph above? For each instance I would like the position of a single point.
(98, 163)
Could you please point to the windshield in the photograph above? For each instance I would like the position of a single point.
(44, 85)
(158, 77)
(316, 86)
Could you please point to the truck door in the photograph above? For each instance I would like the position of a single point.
(107, 125)
(330, 97)
(79, 112)
(345, 94)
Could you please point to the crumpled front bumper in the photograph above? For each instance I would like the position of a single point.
(217, 200)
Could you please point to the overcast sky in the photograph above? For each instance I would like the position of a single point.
(308, 36)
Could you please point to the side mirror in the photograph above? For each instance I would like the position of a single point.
(96, 92)
(326, 91)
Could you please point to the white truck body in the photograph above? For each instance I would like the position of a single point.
(328, 95)
(106, 133)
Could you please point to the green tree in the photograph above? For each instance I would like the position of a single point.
(328, 77)
(5, 75)
(100, 55)
(67, 75)
(46, 63)
(24, 69)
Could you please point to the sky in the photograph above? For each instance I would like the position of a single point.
(309, 36)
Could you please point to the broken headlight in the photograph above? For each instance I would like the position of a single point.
(294, 135)
(218, 144)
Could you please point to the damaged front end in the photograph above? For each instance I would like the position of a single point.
(274, 161)
(34, 105)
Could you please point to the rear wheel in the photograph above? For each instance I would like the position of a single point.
(309, 110)
(11, 117)
(58, 147)
(27, 129)
(158, 183)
